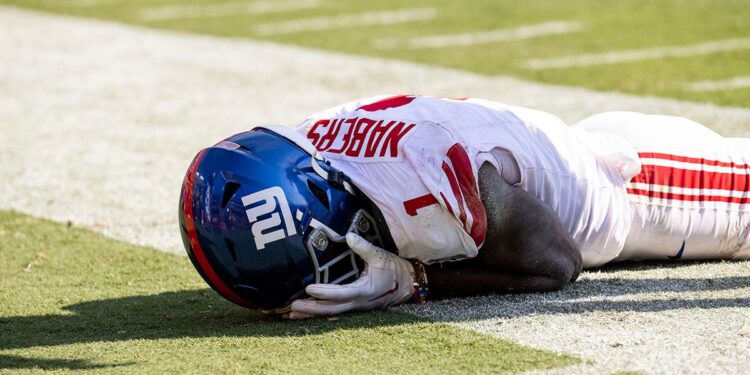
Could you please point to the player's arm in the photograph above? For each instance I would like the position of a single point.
(527, 249)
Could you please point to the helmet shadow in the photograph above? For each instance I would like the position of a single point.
(12, 362)
(180, 314)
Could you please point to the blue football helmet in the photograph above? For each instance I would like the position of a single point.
(263, 215)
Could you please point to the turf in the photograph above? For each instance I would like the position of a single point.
(71, 299)
(608, 26)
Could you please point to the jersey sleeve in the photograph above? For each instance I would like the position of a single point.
(451, 177)
(503, 161)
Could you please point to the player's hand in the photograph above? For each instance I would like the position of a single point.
(386, 280)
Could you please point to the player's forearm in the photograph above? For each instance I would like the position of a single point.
(468, 278)
(527, 249)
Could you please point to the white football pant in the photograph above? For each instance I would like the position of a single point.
(691, 199)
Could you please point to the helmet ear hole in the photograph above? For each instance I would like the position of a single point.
(229, 190)
(319, 193)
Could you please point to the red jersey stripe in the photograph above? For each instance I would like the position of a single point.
(456, 191)
(689, 198)
(450, 209)
(691, 179)
(463, 167)
(702, 185)
(688, 159)
(390, 102)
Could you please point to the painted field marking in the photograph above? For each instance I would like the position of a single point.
(633, 55)
(740, 82)
(347, 20)
(481, 37)
(170, 12)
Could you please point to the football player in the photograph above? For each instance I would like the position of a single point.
(389, 199)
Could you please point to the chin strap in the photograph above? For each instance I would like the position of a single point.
(334, 177)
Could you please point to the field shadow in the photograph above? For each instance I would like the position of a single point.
(181, 314)
(11, 362)
(609, 294)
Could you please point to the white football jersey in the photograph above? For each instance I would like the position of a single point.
(417, 159)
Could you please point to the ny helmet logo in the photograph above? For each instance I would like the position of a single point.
(269, 228)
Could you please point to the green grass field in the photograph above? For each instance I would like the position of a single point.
(74, 300)
(599, 27)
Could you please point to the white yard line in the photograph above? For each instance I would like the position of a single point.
(99, 122)
(626, 56)
(734, 83)
(482, 37)
(170, 12)
(347, 20)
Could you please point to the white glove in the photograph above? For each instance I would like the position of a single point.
(386, 280)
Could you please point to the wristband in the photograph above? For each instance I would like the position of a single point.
(420, 282)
